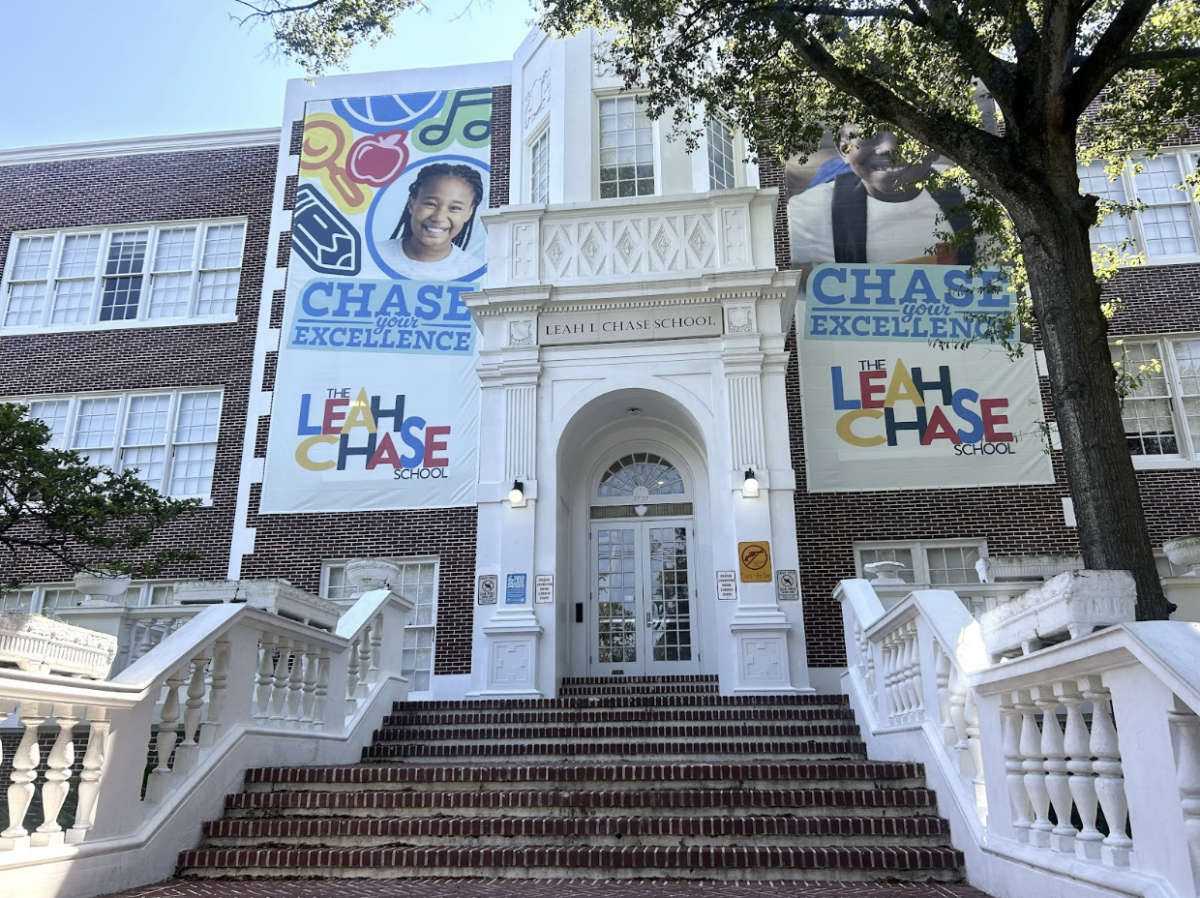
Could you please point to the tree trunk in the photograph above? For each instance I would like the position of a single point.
(1108, 506)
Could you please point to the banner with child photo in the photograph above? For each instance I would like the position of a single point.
(376, 397)
(902, 387)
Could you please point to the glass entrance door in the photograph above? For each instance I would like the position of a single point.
(642, 599)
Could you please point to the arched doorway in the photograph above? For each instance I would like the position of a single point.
(643, 609)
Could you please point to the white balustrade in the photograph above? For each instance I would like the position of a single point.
(1026, 754)
(213, 679)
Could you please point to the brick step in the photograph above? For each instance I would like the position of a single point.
(610, 731)
(661, 679)
(361, 776)
(620, 750)
(351, 831)
(616, 715)
(533, 801)
(729, 862)
(653, 697)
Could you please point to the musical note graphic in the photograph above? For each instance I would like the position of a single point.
(472, 129)
(327, 141)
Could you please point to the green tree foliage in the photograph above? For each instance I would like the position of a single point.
(52, 502)
(1016, 92)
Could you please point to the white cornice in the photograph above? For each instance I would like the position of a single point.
(133, 146)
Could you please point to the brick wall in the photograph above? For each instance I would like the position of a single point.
(150, 188)
(294, 546)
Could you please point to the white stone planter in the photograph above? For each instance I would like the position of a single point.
(100, 586)
(41, 645)
(1025, 567)
(887, 572)
(275, 596)
(1071, 604)
(1184, 550)
(365, 574)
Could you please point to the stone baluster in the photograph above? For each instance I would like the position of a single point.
(351, 678)
(943, 673)
(974, 751)
(210, 729)
(893, 667)
(1033, 762)
(957, 702)
(376, 646)
(1058, 786)
(912, 674)
(320, 702)
(187, 752)
(1014, 772)
(91, 774)
(265, 676)
(1185, 739)
(903, 697)
(295, 684)
(58, 774)
(279, 687)
(1077, 745)
(168, 735)
(24, 762)
(1110, 777)
(309, 687)
(364, 661)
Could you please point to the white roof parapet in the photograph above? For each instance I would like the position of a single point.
(134, 146)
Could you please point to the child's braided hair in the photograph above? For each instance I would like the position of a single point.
(464, 173)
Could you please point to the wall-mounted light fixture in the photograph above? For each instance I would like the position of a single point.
(750, 487)
(516, 496)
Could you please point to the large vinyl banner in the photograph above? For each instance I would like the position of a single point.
(887, 402)
(376, 399)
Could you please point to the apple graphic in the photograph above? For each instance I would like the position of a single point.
(378, 159)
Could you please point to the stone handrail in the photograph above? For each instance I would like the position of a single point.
(1072, 770)
(234, 687)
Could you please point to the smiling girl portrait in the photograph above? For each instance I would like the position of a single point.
(428, 242)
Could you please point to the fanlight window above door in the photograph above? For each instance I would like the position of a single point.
(641, 474)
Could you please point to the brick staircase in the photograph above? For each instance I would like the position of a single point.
(618, 778)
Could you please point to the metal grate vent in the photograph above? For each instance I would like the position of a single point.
(661, 510)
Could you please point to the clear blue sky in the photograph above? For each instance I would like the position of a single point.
(77, 70)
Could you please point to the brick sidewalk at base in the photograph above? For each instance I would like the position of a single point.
(540, 888)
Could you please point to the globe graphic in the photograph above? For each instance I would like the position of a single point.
(385, 113)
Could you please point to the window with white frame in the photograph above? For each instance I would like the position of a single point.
(1162, 414)
(48, 598)
(626, 148)
(940, 563)
(125, 275)
(722, 171)
(169, 436)
(418, 583)
(1167, 227)
(539, 168)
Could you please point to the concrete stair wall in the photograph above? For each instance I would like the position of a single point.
(618, 778)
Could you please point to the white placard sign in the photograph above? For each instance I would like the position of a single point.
(543, 589)
(727, 586)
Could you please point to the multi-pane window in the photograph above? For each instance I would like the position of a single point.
(50, 598)
(539, 168)
(722, 173)
(418, 583)
(938, 563)
(641, 469)
(626, 149)
(169, 436)
(73, 279)
(1167, 224)
(1162, 412)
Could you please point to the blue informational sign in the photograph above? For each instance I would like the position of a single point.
(514, 589)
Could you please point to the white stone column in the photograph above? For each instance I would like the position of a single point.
(768, 640)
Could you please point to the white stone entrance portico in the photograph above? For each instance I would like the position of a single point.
(628, 407)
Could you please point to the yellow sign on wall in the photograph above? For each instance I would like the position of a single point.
(755, 562)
